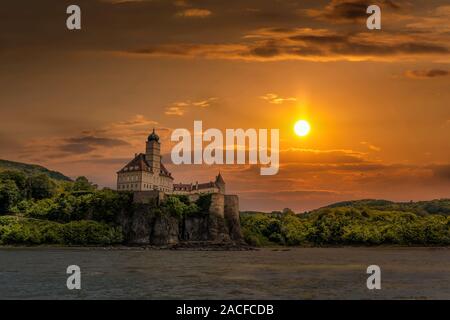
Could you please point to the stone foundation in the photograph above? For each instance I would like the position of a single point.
(145, 226)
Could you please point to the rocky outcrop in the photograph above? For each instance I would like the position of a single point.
(146, 225)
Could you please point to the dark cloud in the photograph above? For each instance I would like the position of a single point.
(154, 28)
(426, 74)
(307, 44)
(302, 156)
(97, 141)
(76, 148)
(442, 172)
(86, 144)
(350, 11)
(104, 161)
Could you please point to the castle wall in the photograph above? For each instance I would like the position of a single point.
(232, 217)
(148, 197)
(145, 226)
(217, 204)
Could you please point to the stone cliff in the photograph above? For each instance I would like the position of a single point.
(145, 225)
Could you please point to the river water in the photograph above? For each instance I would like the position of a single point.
(295, 273)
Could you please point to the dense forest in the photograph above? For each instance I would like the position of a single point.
(40, 207)
(363, 222)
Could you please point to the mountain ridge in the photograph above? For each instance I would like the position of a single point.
(31, 169)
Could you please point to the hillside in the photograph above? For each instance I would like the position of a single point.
(31, 169)
(438, 206)
(361, 222)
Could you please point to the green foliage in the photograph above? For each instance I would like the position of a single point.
(83, 184)
(178, 206)
(19, 178)
(346, 226)
(204, 202)
(9, 195)
(103, 205)
(440, 206)
(41, 187)
(22, 231)
(91, 233)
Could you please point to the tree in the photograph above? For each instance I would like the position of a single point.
(9, 195)
(83, 184)
(17, 176)
(41, 187)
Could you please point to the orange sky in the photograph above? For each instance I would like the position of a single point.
(378, 101)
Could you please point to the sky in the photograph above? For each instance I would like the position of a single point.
(83, 102)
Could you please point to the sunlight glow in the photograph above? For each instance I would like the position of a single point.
(302, 128)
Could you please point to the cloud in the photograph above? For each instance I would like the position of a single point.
(299, 155)
(426, 74)
(107, 140)
(148, 29)
(441, 171)
(194, 13)
(86, 144)
(273, 44)
(437, 21)
(137, 120)
(275, 99)
(181, 107)
(174, 111)
(371, 146)
(97, 141)
(349, 11)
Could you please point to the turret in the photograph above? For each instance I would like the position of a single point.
(153, 152)
(220, 183)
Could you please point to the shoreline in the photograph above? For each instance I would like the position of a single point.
(215, 247)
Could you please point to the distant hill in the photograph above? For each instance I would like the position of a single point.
(31, 169)
(422, 208)
(438, 206)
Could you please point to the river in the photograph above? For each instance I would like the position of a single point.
(294, 273)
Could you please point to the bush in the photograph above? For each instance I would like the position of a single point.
(41, 187)
(9, 195)
(23, 231)
(346, 226)
(91, 233)
(102, 206)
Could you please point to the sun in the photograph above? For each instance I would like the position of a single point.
(302, 128)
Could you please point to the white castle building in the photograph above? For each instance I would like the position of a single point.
(146, 172)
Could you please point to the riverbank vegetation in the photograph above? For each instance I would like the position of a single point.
(36, 208)
(367, 222)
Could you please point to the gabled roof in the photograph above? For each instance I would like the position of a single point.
(139, 163)
(165, 172)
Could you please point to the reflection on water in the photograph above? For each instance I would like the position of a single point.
(300, 273)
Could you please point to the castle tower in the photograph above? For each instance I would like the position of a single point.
(153, 152)
(220, 183)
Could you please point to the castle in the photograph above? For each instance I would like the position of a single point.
(146, 173)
